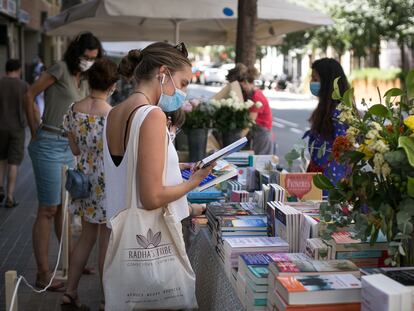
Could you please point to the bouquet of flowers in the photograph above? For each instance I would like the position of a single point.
(377, 195)
(198, 114)
(231, 113)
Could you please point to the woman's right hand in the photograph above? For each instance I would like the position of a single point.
(200, 174)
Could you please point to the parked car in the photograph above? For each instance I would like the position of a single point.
(217, 73)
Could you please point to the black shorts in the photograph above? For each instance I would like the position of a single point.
(12, 146)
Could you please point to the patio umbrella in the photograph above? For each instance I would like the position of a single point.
(196, 22)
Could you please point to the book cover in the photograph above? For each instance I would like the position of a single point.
(314, 266)
(300, 186)
(311, 283)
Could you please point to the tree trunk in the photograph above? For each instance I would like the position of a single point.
(246, 29)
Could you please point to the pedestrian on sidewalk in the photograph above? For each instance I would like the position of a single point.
(84, 124)
(12, 129)
(261, 114)
(324, 123)
(63, 84)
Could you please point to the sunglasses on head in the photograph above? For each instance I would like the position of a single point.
(182, 48)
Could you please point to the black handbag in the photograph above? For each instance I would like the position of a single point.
(77, 184)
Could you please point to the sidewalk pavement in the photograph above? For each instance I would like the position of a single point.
(16, 252)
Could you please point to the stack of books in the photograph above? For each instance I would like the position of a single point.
(317, 249)
(240, 158)
(228, 219)
(291, 269)
(364, 255)
(402, 275)
(252, 277)
(334, 292)
(380, 292)
(239, 196)
(211, 194)
(284, 221)
(234, 247)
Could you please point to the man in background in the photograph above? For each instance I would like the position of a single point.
(12, 129)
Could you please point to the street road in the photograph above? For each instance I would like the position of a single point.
(290, 114)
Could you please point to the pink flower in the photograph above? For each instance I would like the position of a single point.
(187, 106)
(195, 102)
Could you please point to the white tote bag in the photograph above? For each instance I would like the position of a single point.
(146, 265)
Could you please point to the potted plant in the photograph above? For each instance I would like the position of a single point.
(231, 116)
(377, 195)
(197, 123)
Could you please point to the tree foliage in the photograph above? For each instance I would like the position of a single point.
(359, 25)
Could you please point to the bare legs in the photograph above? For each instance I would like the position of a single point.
(46, 215)
(11, 178)
(81, 251)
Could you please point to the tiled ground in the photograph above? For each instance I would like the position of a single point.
(16, 251)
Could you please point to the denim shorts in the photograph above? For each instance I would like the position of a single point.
(49, 152)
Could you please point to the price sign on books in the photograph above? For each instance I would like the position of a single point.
(300, 186)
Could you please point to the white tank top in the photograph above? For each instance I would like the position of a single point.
(115, 177)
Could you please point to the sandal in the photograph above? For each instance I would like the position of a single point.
(54, 287)
(72, 305)
(11, 203)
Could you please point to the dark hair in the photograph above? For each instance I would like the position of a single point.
(241, 73)
(13, 65)
(78, 46)
(321, 119)
(238, 73)
(177, 117)
(142, 63)
(102, 74)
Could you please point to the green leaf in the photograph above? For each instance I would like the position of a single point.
(321, 151)
(410, 186)
(348, 98)
(393, 92)
(336, 94)
(292, 155)
(322, 182)
(407, 143)
(378, 110)
(397, 158)
(409, 84)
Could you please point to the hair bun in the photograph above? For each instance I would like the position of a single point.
(135, 56)
(129, 63)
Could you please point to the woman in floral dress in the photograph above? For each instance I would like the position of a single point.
(325, 125)
(84, 124)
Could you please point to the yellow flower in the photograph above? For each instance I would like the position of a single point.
(90, 210)
(91, 119)
(365, 150)
(409, 121)
(83, 130)
(100, 145)
(98, 189)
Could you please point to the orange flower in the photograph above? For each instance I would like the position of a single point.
(340, 146)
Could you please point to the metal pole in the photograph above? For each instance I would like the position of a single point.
(177, 31)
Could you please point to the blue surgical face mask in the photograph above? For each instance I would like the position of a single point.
(315, 87)
(172, 102)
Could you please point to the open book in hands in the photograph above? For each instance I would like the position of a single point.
(221, 172)
(234, 147)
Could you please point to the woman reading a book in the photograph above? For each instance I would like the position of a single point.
(162, 73)
(324, 124)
